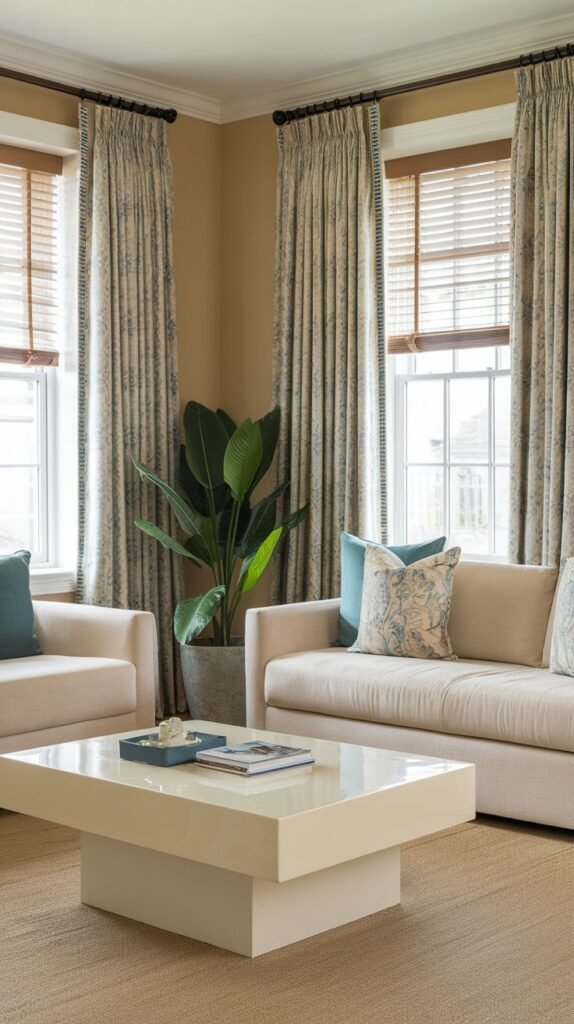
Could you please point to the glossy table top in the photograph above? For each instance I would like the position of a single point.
(353, 801)
(342, 772)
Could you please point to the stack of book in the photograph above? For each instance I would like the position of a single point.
(254, 758)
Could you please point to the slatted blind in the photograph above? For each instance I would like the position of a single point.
(28, 263)
(448, 253)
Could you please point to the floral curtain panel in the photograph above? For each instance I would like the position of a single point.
(542, 329)
(328, 341)
(128, 393)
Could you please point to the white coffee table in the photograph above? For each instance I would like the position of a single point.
(248, 865)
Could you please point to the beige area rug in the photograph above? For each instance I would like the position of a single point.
(485, 933)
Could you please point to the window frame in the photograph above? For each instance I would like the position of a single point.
(41, 559)
(57, 575)
(400, 381)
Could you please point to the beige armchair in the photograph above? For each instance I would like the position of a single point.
(97, 674)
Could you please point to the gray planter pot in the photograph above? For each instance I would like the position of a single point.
(214, 681)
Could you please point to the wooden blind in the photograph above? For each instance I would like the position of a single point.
(448, 253)
(28, 265)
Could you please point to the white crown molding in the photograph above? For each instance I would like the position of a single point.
(474, 126)
(20, 54)
(433, 58)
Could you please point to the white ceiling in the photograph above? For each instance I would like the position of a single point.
(233, 50)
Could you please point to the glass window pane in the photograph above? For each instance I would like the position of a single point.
(17, 442)
(501, 510)
(425, 421)
(18, 510)
(434, 362)
(469, 420)
(502, 419)
(17, 398)
(469, 509)
(504, 357)
(469, 359)
(424, 503)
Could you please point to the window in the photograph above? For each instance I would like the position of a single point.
(448, 227)
(32, 383)
(23, 463)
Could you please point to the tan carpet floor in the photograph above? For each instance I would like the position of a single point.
(484, 933)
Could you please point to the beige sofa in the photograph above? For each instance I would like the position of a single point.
(498, 706)
(97, 674)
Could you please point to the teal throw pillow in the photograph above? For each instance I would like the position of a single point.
(352, 571)
(17, 638)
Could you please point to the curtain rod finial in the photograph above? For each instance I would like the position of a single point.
(279, 117)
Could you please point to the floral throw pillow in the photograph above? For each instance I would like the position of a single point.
(405, 608)
(562, 650)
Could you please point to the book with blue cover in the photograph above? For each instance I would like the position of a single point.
(255, 757)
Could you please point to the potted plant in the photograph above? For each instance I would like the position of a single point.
(221, 464)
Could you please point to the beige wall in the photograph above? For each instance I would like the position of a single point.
(249, 161)
(195, 148)
(223, 235)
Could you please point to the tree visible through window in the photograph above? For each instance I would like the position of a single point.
(448, 226)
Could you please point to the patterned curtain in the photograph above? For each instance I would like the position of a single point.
(542, 459)
(328, 342)
(128, 394)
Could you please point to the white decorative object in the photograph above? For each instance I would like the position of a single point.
(171, 732)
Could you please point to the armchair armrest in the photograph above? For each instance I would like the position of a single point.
(282, 629)
(87, 631)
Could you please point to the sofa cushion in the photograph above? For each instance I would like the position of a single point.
(500, 612)
(497, 701)
(52, 690)
(562, 649)
(17, 638)
(352, 572)
(405, 609)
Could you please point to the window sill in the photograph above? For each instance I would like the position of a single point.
(52, 581)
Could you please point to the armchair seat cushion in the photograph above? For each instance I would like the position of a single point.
(490, 700)
(46, 690)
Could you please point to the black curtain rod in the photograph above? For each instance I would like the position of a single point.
(282, 117)
(97, 97)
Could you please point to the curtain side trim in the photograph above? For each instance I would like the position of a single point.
(82, 342)
(375, 144)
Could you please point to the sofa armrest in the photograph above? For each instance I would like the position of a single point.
(282, 629)
(87, 631)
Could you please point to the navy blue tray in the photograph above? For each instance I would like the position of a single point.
(166, 757)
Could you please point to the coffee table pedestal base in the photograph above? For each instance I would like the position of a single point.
(246, 915)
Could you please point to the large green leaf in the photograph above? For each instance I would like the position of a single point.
(261, 523)
(164, 538)
(189, 520)
(228, 423)
(252, 568)
(193, 490)
(205, 443)
(224, 521)
(199, 550)
(243, 458)
(295, 518)
(193, 614)
(269, 426)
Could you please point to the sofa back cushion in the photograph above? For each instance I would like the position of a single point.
(17, 638)
(352, 573)
(500, 612)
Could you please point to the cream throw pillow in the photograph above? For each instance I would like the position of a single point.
(405, 608)
(562, 650)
